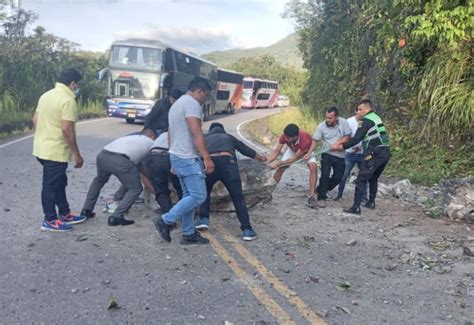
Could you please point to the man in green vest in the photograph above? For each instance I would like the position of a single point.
(372, 133)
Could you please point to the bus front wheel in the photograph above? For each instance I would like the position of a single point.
(130, 120)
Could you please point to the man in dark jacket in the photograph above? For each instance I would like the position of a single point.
(222, 148)
(372, 133)
(157, 119)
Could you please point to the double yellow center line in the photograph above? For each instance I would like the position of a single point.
(270, 304)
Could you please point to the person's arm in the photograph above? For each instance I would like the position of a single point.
(194, 125)
(310, 150)
(243, 148)
(360, 133)
(274, 154)
(69, 133)
(298, 155)
(35, 120)
(340, 142)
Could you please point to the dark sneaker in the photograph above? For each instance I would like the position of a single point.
(203, 224)
(113, 221)
(337, 197)
(194, 239)
(55, 226)
(163, 229)
(87, 213)
(311, 202)
(72, 219)
(370, 205)
(249, 235)
(353, 210)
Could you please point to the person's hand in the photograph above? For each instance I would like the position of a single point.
(274, 164)
(337, 147)
(172, 171)
(307, 155)
(356, 149)
(208, 165)
(262, 158)
(78, 161)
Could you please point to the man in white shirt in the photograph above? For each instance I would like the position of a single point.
(353, 156)
(121, 159)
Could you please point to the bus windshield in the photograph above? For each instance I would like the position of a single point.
(137, 85)
(136, 57)
(248, 84)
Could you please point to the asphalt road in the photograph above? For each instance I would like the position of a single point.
(392, 265)
(72, 277)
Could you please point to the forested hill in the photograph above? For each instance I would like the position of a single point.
(285, 51)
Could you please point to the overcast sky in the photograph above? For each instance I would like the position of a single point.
(200, 26)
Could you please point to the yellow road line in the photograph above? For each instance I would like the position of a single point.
(259, 293)
(278, 284)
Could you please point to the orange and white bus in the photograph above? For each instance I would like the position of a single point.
(229, 91)
(259, 93)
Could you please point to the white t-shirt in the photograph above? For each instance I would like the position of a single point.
(354, 124)
(135, 146)
(161, 141)
(182, 144)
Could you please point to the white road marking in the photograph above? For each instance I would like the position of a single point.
(31, 135)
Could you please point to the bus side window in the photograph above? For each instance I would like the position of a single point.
(169, 62)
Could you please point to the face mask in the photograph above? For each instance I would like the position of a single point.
(77, 92)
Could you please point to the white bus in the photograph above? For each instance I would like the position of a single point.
(259, 93)
(229, 91)
(142, 71)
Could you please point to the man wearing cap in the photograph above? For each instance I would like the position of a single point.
(158, 170)
(54, 143)
(157, 119)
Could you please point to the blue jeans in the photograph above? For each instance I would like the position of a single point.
(190, 172)
(351, 159)
(53, 191)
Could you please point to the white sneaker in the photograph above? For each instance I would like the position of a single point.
(110, 207)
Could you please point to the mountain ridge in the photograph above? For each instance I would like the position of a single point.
(285, 51)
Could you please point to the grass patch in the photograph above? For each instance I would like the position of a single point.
(301, 117)
(426, 163)
(15, 122)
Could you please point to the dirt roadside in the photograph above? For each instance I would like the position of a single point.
(391, 265)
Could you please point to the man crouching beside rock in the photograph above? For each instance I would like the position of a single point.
(121, 159)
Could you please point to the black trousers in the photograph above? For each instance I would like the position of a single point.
(227, 171)
(53, 191)
(159, 170)
(327, 182)
(370, 171)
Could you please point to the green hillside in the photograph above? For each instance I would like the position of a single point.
(284, 51)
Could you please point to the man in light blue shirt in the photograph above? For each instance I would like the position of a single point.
(334, 130)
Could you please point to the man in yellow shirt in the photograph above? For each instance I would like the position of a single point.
(54, 143)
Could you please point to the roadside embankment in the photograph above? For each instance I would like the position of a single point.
(451, 196)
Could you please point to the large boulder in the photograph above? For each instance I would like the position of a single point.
(459, 193)
(257, 186)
